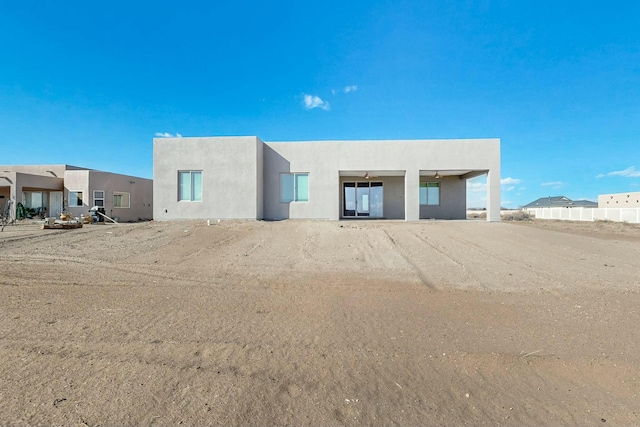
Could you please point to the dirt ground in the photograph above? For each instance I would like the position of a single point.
(321, 323)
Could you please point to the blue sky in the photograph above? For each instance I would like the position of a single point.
(91, 83)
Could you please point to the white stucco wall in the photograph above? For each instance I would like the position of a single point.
(230, 177)
(323, 160)
(453, 199)
(619, 200)
(241, 175)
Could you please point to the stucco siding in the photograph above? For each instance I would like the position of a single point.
(139, 191)
(229, 168)
(393, 197)
(453, 200)
(77, 180)
(60, 180)
(242, 176)
(259, 179)
(619, 200)
(321, 159)
(323, 182)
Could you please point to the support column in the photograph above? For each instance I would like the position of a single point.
(493, 195)
(335, 203)
(412, 195)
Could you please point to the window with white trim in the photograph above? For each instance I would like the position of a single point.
(294, 187)
(98, 198)
(121, 199)
(190, 186)
(75, 199)
(430, 193)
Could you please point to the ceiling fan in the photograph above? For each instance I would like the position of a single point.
(367, 176)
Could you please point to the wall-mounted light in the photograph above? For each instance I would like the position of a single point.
(132, 182)
(437, 175)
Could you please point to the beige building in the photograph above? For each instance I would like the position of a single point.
(48, 190)
(619, 200)
(246, 178)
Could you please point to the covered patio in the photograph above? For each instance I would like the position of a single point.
(390, 194)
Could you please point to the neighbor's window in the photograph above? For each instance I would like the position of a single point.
(98, 198)
(294, 187)
(190, 186)
(430, 193)
(34, 199)
(75, 198)
(121, 199)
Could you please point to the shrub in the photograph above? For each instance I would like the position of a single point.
(517, 216)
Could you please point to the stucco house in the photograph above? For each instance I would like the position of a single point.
(619, 200)
(559, 202)
(52, 189)
(246, 178)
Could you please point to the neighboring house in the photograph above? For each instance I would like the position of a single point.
(49, 190)
(246, 178)
(624, 207)
(559, 202)
(619, 200)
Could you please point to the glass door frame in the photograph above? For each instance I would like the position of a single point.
(354, 199)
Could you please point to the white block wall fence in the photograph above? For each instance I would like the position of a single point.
(631, 215)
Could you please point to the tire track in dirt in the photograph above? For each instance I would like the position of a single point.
(310, 245)
(458, 244)
(416, 268)
(48, 236)
(369, 252)
(201, 252)
(134, 270)
(456, 241)
(508, 261)
(511, 255)
(445, 254)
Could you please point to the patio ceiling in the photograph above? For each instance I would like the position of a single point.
(462, 173)
(372, 173)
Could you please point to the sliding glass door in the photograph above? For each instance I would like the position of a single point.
(376, 200)
(363, 199)
(349, 202)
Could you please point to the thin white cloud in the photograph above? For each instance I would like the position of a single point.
(476, 187)
(629, 172)
(346, 89)
(552, 184)
(510, 181)
(167, 135)
(477, 192)
(312, 101)
(509, 184)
